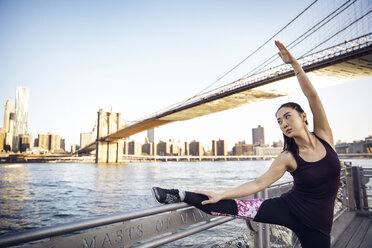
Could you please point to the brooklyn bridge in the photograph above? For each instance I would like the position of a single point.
(335, 48)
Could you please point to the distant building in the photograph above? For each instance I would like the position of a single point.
(214, 148)
(278, 144)
(86, 138)
(267, 151)
(152, 136)
(2, 140)
(360, 146)
(54, 142)
(125, 147)
(21, 116)
(368, 144)
(147, 149)
(196, 148)
(219, 148)
(50, 142)
(43, 141)
(258, 135)
(163, 148)
(134, 148)
(175, 148)
(74, 148)
(9, 115)
(187, 148)
(25, 142)
(241, 148)
(342, 148)
(63, 144)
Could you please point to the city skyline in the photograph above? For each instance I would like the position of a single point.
(140, 58)
(258, 136)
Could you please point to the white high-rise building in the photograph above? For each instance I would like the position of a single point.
(151, 135)
(21, 116)
(9, 122)
(9, 115)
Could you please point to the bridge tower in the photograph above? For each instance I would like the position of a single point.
(108, 151)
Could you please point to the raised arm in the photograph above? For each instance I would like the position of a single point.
(321, 124)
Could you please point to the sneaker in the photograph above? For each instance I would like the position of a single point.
(166, 196)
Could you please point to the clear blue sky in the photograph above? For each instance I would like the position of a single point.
(141, 56)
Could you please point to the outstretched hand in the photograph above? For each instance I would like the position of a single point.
(284, 53)
(213, 197)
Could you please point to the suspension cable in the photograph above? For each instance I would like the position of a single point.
(338, 32)
(250, 55)
(292, 45)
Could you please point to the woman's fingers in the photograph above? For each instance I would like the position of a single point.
(207, 193)
(280, 45)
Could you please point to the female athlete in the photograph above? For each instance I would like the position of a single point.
(310, 157)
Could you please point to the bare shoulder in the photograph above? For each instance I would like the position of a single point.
(287, 160)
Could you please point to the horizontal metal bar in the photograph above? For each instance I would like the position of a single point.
(46, 232)
(215, 222)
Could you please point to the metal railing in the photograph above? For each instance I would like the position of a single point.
(145, 228)
(160, 225)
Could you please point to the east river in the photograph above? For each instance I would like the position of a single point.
(38, 194)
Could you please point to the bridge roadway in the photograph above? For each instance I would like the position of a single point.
(344, 62)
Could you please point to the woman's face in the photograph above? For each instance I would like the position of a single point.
(290, 121)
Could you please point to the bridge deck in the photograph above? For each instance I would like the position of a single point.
(358, 232)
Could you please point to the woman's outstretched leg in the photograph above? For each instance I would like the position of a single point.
(245, 209)
(222, 207)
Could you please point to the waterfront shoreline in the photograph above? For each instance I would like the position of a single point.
(65, 158)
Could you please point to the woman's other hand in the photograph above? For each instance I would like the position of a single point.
(284, 53)
(213, 197)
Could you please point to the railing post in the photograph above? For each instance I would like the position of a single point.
(364, 180)
(357, 187)
(350, 188)
(258, 234)
(262, 237)
(265, 227)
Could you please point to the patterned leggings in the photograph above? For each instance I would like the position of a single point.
(271, 211)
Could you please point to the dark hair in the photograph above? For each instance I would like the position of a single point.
(289, 143)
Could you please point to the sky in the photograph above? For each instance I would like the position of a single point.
(138, 57)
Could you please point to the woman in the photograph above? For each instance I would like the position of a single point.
(307, 208)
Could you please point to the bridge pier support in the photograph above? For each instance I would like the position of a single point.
(108, 151)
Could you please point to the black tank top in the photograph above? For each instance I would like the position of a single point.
(314, 190)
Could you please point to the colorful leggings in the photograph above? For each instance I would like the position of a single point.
(271, 211)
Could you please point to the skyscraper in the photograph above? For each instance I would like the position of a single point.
(9, 123)
(9, 115)
(151, 135)
(221, 148)
(258, 135)
(21, 116)
(214, 147)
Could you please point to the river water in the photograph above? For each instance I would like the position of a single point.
(38, 194)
